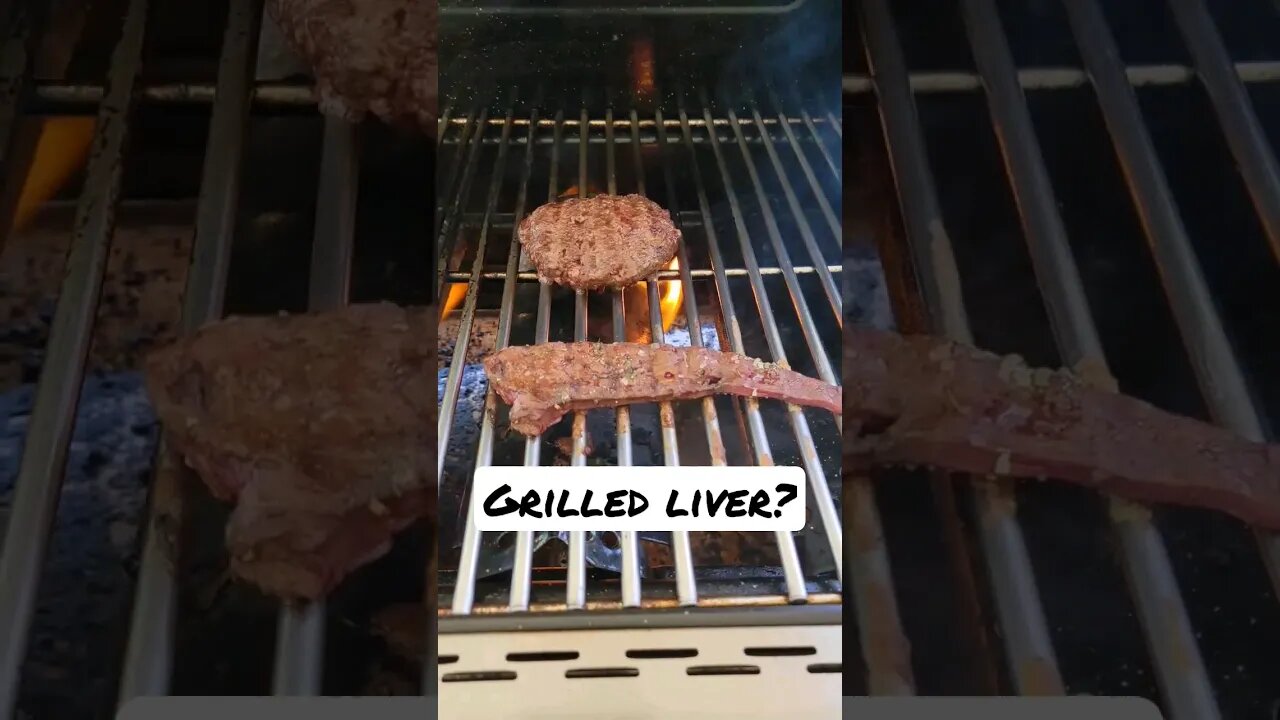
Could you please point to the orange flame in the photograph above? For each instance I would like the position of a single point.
(60, 153)
(670, 293)
(457, 291)
(574, 191)
(642, 75)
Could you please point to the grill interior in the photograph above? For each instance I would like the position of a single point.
(754, 190)
(211, 186)
(958, 114)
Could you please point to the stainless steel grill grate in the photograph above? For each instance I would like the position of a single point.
(149, 657)
(1184, 683)
(755, 192)
(689, 154)
(717, 171)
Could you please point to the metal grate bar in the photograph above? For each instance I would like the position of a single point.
(1221, 381)
(628, 541)
(888, 671)
(1182, 675)
(818, 142)
(1030, 652)
(576, 585)
(39, 480)
(335, 216)
(796, 590)
(63, 97)
(664, 275)
(449, 402)
(681, 550)
(449, 216)
(833, 223)
(149, 654)
(442, 125)
(836, 124)
(813, 466)
(542, 332)
(806, 232)
(884, 644)
(1244, 134)
(1063, 78)
(522, 570)
(56, 96)
(299, 660)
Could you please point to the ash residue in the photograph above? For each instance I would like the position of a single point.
(92, 558)
(865, 297)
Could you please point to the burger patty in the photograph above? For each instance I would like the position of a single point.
(377, 56)
(599, 242)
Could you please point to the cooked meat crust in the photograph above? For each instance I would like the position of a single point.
(377, 56)
(599, 242)
(933, 402)
(319, 427)
(543, 382)
(918, 400)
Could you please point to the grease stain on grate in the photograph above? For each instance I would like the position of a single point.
(722, 670)
(602, 672)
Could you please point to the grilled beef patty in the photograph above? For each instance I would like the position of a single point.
(543, 382)
(377, 56)
(319, 427)
(599, 242)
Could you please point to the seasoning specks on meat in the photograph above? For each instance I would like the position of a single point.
(599, 242)
(951, 406)
(543, 382)
(375, 56)
(317, 427)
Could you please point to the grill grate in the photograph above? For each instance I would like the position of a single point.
(1183, 681)
(698, 147)
(689, 153)
(149, 656)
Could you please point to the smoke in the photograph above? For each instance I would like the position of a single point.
(799, 49)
